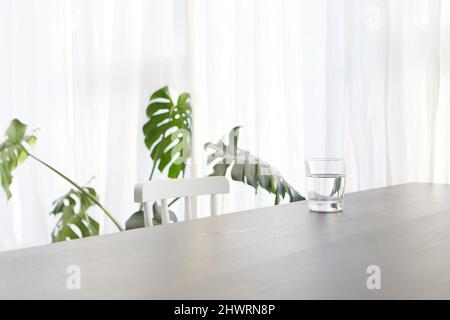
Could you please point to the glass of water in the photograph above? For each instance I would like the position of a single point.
(326, 184)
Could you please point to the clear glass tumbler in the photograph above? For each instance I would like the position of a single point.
(326, 184)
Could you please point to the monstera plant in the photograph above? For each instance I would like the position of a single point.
(167, 136)
(247, 168)
(13, 153)
(73, 212)
(72, 209)
(168, 132)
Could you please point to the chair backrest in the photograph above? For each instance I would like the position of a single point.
(151, 191)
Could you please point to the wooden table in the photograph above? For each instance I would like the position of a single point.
(282, 252)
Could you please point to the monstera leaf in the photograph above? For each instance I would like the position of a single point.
(168, 132)
(13, 152)
(136, 221)
(248, 169)
(74, 221)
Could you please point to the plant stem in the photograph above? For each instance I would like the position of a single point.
(176, 199)
(153, 170)
(173, 201)
(106, 211)
(141, 207)
(155, 162)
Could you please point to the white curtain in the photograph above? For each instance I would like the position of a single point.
(366, 80)
(82, 72)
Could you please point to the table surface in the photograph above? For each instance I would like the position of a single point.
(283, 252)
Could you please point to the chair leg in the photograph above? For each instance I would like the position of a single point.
(194, 207)
(148, 215)
(214, 209)
(164, 212)
(188, 208)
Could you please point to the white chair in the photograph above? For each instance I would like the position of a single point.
(151, 191)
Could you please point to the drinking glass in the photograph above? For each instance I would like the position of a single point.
(326, 184)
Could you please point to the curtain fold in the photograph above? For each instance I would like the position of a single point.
(367, 80)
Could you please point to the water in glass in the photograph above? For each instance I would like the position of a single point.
(326, 192)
